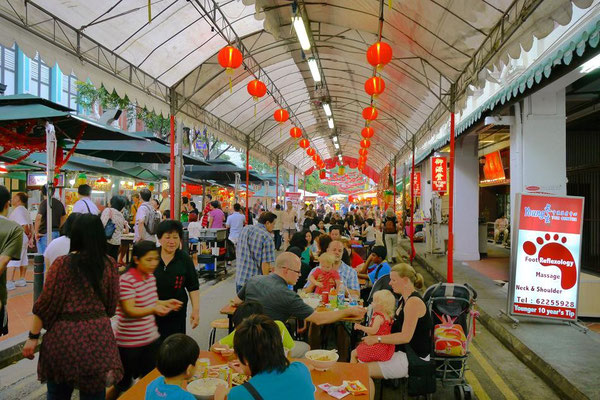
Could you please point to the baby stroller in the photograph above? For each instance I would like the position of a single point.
(451, 307)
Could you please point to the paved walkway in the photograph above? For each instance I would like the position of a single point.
(565, 357)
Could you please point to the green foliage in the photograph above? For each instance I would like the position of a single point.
(155, 123)
(259, 166)
(313, 184)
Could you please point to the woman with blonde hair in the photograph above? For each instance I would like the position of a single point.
(412, 327)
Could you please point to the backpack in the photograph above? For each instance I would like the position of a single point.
(151, 220)
(390, 226)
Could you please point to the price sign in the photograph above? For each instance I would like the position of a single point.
(439, 174)
(546, 255)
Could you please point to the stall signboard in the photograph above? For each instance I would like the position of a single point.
(493, 170)
(39, 179)
(545, 259)
(292, 195)
(439, 174)
(417, 183)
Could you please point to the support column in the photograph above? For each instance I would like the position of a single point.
(466, 199)
(538, 161)
(277, 183)
(395, 171)
(176, 213)
(247, 175)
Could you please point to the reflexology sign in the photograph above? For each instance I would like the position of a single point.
(545, 259)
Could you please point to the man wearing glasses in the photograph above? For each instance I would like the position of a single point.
(280, 303)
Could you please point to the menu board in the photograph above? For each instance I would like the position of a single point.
(545, 259)
(39, 179)
(417, 183)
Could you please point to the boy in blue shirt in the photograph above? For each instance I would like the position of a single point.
(176, 361)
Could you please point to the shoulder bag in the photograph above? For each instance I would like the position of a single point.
(253, 392)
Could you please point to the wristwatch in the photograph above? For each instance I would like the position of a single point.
(378, 339)
(34, 336)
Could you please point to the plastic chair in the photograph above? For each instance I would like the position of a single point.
(221, 323)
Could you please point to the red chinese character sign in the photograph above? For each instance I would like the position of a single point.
(439, 174)
(417, 183)
(546, 259)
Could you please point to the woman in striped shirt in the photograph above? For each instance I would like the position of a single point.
(136, 331)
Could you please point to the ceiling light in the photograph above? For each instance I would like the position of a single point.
(591, 65)
(335, 139)
(330, 122)
(337, 146)
(327, 109)
(301, 33)
(314, 69)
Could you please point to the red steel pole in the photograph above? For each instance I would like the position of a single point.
(450, 271)
(247, 178)
(172, 177)
(394, 185)
(412, 205)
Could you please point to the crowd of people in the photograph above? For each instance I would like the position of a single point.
(105, 327)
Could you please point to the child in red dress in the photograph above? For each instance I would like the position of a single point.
(325, 277)
(384, 304)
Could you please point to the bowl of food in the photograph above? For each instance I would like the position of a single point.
(204, 389)
(321, 360)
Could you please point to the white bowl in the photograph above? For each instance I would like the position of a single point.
(321, 365)
(204, 389)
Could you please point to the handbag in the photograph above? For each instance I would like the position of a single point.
(253, 392)
(421, 374)
(110, 227)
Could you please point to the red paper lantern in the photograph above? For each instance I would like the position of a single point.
(322, 174)
(256, 89)
(316, 159)
(374, 86)
(370, 113)
(365, 144)
(362, 159)
(296, 132)
(363, 152)
(311, 152)
(379, 54)
(230, 58)
(304, 143)
(367, 132)
(281, 115)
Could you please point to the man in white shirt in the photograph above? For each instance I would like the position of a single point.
(235, 223)
(501, 227)
(278, 226)
(85, 205)
(165, 202)
(145, 208)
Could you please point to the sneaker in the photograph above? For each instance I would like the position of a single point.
(10, 285)
(20, 283)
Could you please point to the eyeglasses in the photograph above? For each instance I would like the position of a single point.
(293, 270)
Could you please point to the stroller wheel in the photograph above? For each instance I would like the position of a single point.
(463, 392)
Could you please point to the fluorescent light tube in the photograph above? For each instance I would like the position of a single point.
(314, 69)
(337, 146)
(327, 109)
(301, 33)
(330, 122)
(334, 139)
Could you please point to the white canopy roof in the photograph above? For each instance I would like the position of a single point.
(434, 43)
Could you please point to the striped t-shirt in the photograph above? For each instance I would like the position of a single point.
(136, 332)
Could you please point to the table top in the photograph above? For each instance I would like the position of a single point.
(229, 309)
(334, 376)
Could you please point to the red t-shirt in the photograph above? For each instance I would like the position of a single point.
(329, 278)
(136, 332)
(205, 215)
(356, 259)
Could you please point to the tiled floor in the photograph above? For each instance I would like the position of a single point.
(496, 265)
(20, 302)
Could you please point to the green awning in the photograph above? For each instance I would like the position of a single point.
(146, 174)
(32, 111)
(138, 151)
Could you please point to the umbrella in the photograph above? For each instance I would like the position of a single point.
(220, 172)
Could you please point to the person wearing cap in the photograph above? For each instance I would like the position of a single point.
(375, 266)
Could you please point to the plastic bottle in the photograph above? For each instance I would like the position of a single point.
(341, 295)
(333, 298)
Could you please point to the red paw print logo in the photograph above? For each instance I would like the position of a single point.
(554, 254)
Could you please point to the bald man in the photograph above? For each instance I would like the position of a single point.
(281, 303)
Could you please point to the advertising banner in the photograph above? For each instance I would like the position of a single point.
(545, 259)
(439, 174)
(417, 183)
